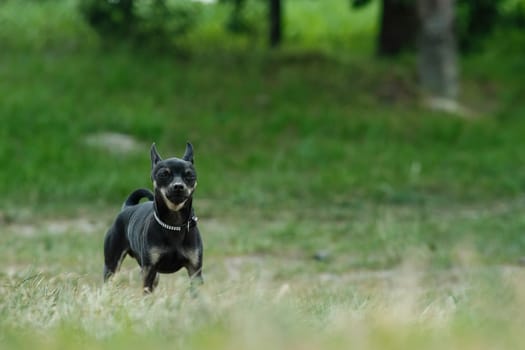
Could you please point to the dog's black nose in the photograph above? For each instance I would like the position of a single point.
(177, 187)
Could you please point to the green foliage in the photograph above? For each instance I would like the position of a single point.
(110, 18)
(514, 14)
(157, 23)
(237, 22)
(359, 3)
(258, 109)
(245, 17)
(476, 20)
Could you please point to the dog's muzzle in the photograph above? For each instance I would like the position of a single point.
(178, 193)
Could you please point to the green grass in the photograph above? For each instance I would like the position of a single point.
(336, 211)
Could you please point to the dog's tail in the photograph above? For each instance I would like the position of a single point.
(135, 197)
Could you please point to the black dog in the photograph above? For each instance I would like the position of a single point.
(161, 233)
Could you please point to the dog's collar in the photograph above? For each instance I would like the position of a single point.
(193, 220)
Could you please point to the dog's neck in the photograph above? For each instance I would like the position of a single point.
(171, 217)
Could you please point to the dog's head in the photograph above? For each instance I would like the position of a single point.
(174, 179)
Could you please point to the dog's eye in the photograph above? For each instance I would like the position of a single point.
(188, 175)
(164, 174)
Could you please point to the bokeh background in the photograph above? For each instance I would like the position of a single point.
(360, 167)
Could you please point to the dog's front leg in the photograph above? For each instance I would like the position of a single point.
(149, 276)
(195, 274)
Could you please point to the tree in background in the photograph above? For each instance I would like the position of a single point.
(475, 20)
(237, 24)
(437, 52)
(398, 26)
(275, 22)
(162, 21)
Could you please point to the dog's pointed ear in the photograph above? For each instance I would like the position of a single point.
(155, 157)
(188, 154)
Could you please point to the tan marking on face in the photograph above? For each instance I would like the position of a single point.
(172, 206)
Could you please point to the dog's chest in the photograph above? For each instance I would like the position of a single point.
(168, 259)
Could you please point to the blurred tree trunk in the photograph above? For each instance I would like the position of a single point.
(275, 22)
(398, 27)
(437, 49)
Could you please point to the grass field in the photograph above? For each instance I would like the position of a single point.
(336, 211)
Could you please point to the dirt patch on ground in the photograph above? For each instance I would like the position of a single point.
(114, 142)
(58, 226)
